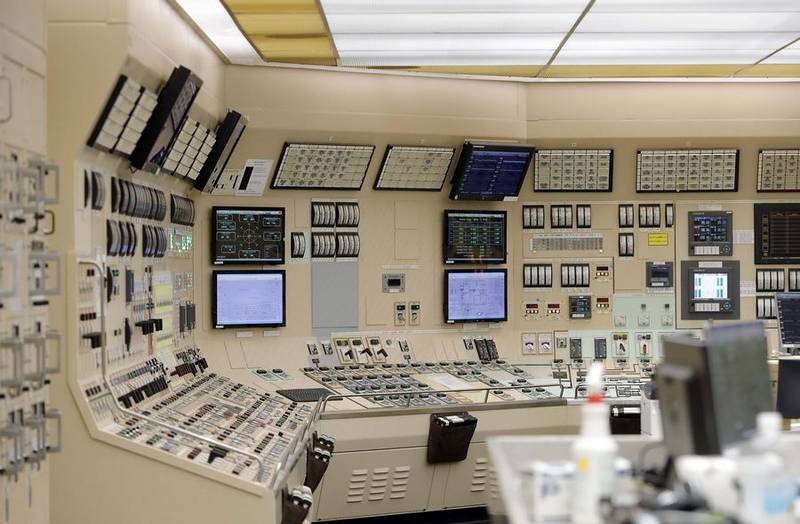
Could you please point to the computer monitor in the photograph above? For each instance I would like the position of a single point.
(474, 237)
(788, 305)
(249, 299)
(247, 235)
(711, 391)
(473, 295)
(490, 172)
(789, 388)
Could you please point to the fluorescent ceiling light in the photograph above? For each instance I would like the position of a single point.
(215, 21)
(448, 43)
(464, 23)
(448, 32)
(443, 58)
(334, 7)
(658, 57)
(686, 41)
(689, 22)
(719, 6)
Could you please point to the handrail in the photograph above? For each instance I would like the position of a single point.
(103, 355)
(409, 394)
(579, 387)
(283, 470)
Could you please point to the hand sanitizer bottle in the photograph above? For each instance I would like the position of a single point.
(594, 453)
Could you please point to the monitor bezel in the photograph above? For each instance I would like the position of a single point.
(466, 152)
(445, 222)
(446, 300)
(778, 296)
(262, 262)
(214, 284)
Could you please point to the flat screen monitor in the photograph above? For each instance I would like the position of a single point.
(777, 233)
(172, 108)
(789, 388)
(712, 390)
(789, 320)
(490, 172)
(474, 237)
(249, 299)
(474, 295)
(247, 235)
(711, 286)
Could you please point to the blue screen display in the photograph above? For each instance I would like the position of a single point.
(487, 173)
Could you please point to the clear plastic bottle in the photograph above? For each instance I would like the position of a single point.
(768, 492)
(594, 453)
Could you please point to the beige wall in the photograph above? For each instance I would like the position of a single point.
(93, 41)
(402, 229)
(23, 136)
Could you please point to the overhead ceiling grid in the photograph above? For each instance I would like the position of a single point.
(522, 38)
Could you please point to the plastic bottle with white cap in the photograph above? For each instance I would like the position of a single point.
(594, 453)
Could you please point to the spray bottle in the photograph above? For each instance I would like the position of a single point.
(594, 453)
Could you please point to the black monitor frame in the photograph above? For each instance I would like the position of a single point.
(447, 216)
(788, 401)
(779, 298)
(214, 315)
(759, 210)
(466, 154)
(446, 301)
(262, 262)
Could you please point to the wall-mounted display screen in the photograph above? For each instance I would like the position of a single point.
(249, 299)
(710, 290)
(174, 101)
(711, 233)
(475, 296)
(322, 166)
(490, 172)
(777, 233)
(711, 286)
(474, 237)
(789, 319)
(413, 168)
(247, 235)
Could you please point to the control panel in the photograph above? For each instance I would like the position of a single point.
(710, 290)
(711, 233)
